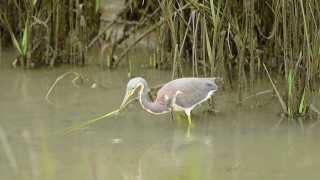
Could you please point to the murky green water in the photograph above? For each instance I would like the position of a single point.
(237, 143)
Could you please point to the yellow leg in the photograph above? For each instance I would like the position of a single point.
(188, 131)
(190, 125)
(188, 113)
(189, 120)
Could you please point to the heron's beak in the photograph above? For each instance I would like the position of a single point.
(126, 97)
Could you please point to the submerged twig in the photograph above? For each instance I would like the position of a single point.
(258, 94)
(60, 78)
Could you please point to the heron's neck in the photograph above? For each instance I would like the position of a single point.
(148, 105)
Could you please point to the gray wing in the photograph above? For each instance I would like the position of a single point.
(193, 90)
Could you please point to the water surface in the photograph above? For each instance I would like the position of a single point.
(239, 142)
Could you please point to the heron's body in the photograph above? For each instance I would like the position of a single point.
(182, 94)
(186, 93)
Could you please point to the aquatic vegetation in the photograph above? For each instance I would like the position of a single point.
(50, 33)
(22, 46)
(234, 39)
(98, 5)
(238, 40)
(85, 124)
(90, 122)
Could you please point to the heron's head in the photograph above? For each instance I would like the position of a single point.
(132, 86)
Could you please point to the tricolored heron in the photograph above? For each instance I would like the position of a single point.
(182, 94)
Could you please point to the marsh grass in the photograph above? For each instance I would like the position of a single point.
(50, 32)
(242, 41)
(238, 40)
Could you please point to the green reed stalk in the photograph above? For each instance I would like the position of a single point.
(302, 107)
(290, 93)
(98, 4)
